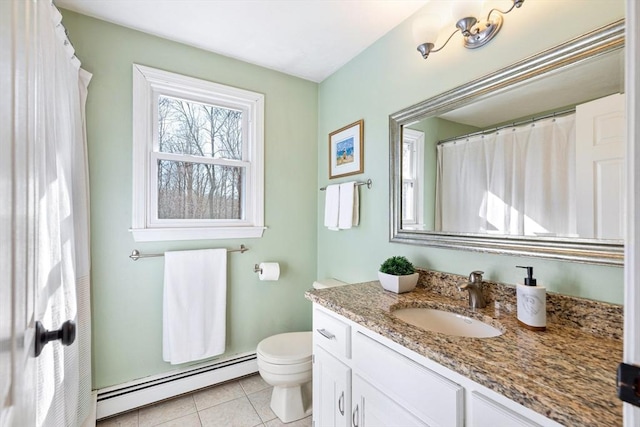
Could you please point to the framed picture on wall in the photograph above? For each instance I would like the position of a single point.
(346, 150)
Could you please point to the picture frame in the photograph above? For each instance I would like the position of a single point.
(346, 150)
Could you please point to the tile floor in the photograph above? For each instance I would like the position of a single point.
(240, 403)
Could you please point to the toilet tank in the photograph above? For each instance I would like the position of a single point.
(327, 283)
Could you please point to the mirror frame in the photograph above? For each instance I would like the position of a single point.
(598, 42)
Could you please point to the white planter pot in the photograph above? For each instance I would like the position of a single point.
(398, 284)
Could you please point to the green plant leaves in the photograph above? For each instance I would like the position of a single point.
(398, 266)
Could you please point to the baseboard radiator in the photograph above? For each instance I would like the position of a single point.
(124, 397)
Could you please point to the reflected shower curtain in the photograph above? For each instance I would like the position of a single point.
(60, 173)
(516, 181)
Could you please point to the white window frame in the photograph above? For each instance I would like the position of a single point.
(148, 85)
(415, 139)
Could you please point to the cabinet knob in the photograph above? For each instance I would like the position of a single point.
(341, 404)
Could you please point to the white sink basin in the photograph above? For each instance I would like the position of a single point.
(446, 322)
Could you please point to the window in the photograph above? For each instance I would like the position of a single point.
(197, 159)
(412, 179)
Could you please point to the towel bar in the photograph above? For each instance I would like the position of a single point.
(136, 255)
(368, 183)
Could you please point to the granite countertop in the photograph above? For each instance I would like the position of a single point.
(567, 373)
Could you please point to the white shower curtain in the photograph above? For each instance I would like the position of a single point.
(61, 194)
(516, 181)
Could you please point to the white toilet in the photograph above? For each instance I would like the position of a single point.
(284, 362)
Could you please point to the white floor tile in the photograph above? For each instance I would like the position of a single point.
(236, 413)
(166, 411)
(305, 422)
(261, 401)
(219, 394)
(191, 420)
(253, 383)
(128, 419)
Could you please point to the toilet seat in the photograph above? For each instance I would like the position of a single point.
(292, 348)
(298, 368)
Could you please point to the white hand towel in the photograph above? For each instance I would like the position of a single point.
(349, 215)
(332, 207)
(194, 307)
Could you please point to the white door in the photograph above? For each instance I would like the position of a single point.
(632, 234)
(42, 255)
(17, 365)
(600, 165)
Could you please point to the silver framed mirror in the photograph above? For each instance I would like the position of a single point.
(538, 76)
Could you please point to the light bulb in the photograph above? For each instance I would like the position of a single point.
(426, 27)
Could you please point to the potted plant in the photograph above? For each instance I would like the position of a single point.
(398, 275)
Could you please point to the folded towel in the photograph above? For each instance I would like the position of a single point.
(332, 207)
(194, 305)
(349, 215)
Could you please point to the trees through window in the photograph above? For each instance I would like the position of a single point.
(210, 185)
(203, 142)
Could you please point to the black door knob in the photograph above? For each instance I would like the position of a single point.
(66, 334)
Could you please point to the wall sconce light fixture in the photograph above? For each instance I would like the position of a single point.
(476, 32)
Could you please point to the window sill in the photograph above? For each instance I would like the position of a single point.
(165, 234)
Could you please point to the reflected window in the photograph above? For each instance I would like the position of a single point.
(412, 179)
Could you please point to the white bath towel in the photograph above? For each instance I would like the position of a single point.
(349, 215)
(332, 207)
(194, 305)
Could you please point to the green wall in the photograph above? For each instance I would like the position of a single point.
(127, 295)
(388, 76)
(391, 75)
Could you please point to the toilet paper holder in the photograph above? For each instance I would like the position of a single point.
(257, 269)
(269, 271)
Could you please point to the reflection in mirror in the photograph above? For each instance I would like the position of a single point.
(531, 166)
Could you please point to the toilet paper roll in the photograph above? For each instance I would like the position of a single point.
(269, 271)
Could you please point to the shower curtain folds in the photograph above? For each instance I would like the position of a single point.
(516, 181)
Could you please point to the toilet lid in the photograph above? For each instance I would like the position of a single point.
(286, 349)
(328, 283)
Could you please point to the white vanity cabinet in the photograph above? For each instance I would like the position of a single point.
(362, 379)
(331, 373)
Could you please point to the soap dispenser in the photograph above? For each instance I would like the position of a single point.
(532, 303)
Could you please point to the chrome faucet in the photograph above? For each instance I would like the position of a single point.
(474, 286)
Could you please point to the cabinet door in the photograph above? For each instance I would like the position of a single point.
(430, 396)
(372, 408)
(487, 413)
(331, 390)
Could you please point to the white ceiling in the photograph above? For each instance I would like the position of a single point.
(584, 81)
(305, 38)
